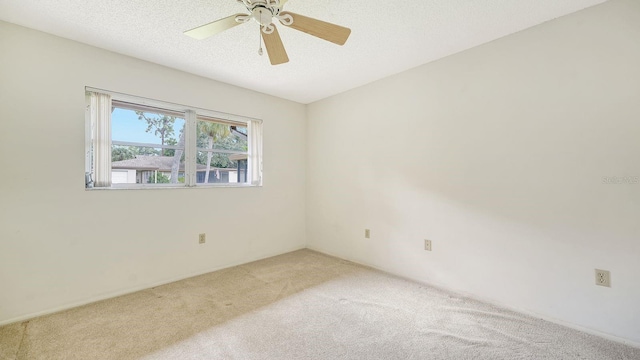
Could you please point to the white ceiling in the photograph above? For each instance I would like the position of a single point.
(388, 36)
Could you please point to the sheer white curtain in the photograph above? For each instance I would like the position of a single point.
(101, 138)
(254, 166)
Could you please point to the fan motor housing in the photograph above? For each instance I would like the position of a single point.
(262, 15)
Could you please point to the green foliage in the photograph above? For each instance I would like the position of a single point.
(119, 153)
(146, 151)
(162, 127)
(222, 140)
(170, 152)
(218, 136)
(161, 179)
(218, 160)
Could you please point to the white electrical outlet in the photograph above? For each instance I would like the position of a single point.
(202, 238)
(367, 233)
(427, 245)
(603, 278)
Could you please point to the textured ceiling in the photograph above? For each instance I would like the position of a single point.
(388, 36)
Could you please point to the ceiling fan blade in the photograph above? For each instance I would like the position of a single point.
(275, 49)
(334, 33)
(210, 29)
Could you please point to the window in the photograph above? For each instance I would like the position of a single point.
(147, 145)
(138, 143)
(222, 151)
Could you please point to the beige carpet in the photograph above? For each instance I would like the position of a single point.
(301, 305)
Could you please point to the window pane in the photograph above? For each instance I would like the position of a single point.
(146, 127)
(223, 168)
(134, 164)
(212, 135)
(144, 165)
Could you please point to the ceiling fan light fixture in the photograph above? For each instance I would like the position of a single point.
(262, 15)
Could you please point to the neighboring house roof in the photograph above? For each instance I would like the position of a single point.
(238, 132)
(159, 163)
(146, 162)
(235, 157)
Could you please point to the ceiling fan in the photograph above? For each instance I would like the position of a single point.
(264, 12)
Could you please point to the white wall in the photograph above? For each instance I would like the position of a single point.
(497, 154)
(61, 245)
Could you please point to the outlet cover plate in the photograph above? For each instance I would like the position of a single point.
(603, 278)
(427, 245)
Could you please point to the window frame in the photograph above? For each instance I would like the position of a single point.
(191, 116)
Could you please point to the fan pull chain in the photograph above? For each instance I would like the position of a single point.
(260, 37)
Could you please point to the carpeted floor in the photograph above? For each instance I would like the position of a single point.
(301, 305)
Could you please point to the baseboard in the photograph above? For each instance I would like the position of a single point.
(489, 301)
(114, 294)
